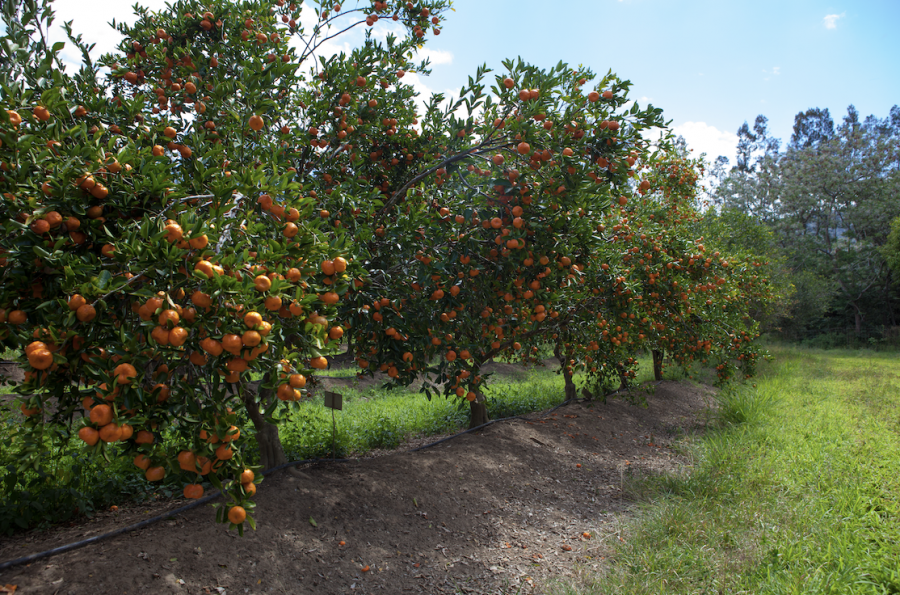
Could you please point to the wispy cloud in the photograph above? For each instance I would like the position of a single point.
(703, 138)
(830, 20)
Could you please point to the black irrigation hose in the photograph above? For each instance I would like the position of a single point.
(216, 494)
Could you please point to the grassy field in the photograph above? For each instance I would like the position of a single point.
(797, 491)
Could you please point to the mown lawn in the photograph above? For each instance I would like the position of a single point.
(796, 491)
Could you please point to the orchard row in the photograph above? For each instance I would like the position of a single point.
(218, 201)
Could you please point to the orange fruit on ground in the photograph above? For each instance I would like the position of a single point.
(89, 435)
(155, 473)
(193, 491)
(237, 514)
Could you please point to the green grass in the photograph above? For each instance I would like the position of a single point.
(384, 418)
(797, 490)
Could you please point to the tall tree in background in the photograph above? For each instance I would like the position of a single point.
(829, 199)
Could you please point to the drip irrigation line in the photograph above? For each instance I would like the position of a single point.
(210, 497)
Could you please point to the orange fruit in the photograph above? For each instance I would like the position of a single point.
(262, 283)
(187, 460)
(178, 336)
(253, 319)
(319, 363)
(155, 473)
(89, 435)
(224, 452)
(247, 476)
(193, 491)
(232, 344)
(142, 461)
(297, 380)
(85, 313)
(237, 365)
(17, 317)
(273, 303)
(40, 359)
(249, 489)
(75, 302)
(256, 123)
(144, 437)
(340, 264)
(211, 346)
(111, 433)
(124, 373)
(168, 315)
(251, 338)
(237, 514)
(101, 415)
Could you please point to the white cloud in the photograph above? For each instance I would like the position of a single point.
(703, 138)
(830, 20)
(776, 70)
(437, 57)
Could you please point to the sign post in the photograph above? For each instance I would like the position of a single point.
(333, 401)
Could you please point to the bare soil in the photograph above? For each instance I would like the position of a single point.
(508, 509)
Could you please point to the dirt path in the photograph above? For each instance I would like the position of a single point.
(502, 510)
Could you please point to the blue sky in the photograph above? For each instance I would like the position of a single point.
(710, 65)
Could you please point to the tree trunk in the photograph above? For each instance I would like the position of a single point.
(571, 395)
(657, 364)
(271, 454)
(478, 412)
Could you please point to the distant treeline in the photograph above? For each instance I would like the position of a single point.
(821, 211)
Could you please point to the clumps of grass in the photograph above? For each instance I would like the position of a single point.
(795, 490)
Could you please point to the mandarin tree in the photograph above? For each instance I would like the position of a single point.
(484, 221)
(160, 234)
